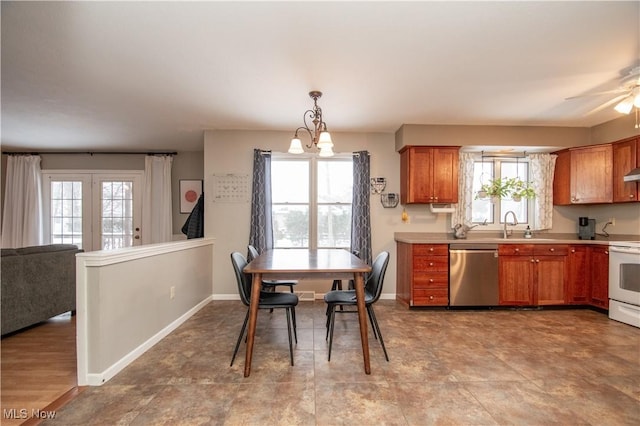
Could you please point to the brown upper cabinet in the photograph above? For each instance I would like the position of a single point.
(626, 157)
(429, 174)
(584, 175)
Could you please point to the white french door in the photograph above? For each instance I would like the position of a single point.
(96, 211)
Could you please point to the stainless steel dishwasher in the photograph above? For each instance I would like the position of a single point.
(473, 274)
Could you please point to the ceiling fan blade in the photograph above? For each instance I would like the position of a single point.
(606, 92)
(607, 104)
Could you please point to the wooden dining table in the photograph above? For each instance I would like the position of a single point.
(288, 264)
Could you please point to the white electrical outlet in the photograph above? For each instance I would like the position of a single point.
(172, 292)
(612, 221)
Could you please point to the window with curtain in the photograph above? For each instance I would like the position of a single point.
(311, 201)
(492, 213)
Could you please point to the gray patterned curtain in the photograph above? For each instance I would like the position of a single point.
(261, 232)
(361, 213)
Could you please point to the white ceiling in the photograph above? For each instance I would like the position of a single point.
(154, 75)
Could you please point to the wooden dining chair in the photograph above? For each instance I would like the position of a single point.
(268, 300)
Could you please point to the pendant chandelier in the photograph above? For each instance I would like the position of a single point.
(320, 137)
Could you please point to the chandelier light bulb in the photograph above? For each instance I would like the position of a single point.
(296, 146)
(326, 151)
(325, 140)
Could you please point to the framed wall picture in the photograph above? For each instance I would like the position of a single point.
(190, 191)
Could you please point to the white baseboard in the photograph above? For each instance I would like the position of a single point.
(97, 379)
(234, 296)
(317, 296)
(306, 295)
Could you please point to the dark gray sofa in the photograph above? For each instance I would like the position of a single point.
(38, 283)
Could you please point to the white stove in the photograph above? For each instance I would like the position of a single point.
(624, 282)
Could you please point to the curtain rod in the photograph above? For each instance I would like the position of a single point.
(88, 153)
(504, 155)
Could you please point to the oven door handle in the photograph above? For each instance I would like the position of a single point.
(626, 250)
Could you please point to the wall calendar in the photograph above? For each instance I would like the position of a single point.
(231, 188)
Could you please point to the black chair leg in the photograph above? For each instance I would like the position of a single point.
(328, 322)
(337, 285)
(331, 325)
(375, 334)
(376, 326)
(244, 326)
(295, 326)
(288, 313)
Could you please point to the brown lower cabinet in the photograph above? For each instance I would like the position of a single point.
(532, 274)
(529, 274)
(588, 276)
(579, 288)
(599, 276)
(423, 274)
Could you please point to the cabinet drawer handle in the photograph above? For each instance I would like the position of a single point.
(551, 249)
(517, 250)
(532, 260)
(431, 280)
(537, 260)
(606, 252)
(630, 195)
(430, 263)
(430, 297)
(431, 249)
(436, 198)
(573, 250)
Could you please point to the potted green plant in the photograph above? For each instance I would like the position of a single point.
(513, 188)
(522, 189)
(496, 188)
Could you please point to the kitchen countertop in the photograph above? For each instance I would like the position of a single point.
(496, 238)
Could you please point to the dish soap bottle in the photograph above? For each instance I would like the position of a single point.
(527, 232)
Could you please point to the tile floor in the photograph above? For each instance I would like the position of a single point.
(516, 367)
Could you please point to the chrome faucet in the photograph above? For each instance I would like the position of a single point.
(515, 222)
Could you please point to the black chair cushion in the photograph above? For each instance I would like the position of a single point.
(345, 297)
(279, 282)
(277, 300)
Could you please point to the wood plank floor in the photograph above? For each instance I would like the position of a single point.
(38, 369)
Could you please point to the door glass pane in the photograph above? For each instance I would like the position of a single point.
(117, 214)
(66, 212)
